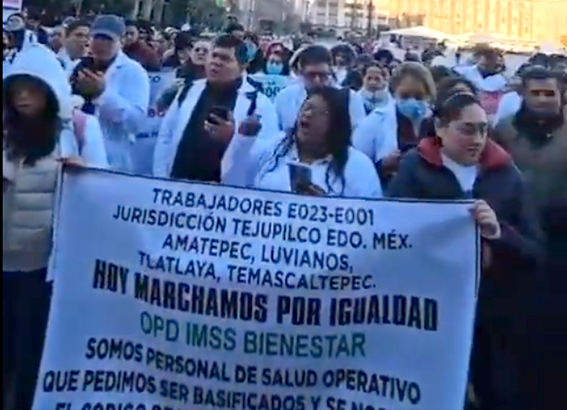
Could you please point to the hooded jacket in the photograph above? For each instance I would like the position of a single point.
(28, 201)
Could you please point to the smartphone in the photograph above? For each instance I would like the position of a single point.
(89, 64)
(219, 111)
(299, 177)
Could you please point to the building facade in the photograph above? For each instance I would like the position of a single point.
(530, 20)
(346, 13)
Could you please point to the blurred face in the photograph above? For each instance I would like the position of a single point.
(103, 48)
(264, 43)
(461, 88)
(222, 65)
(313, 121)
(411, 87)
(56, 39)
(340, 60)
(238, 34)
(184, 54)
(277, 49)
(275, 58)
(488, 64)
(543, 96)
(375, 79)
(162, 44)
(464, 138)
(144, 35)
(200, 52)
(33, 23)
(316, 75)
(131, 35)
(28, 98)
(77, 41)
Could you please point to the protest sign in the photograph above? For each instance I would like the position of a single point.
(143, 149)
(272, 84)
(172, 295)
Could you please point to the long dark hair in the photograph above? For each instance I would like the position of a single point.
(338, 134)
(29, 139)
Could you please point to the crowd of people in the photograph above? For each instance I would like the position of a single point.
(361, 122)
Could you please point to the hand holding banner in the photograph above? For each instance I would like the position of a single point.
(172, 295)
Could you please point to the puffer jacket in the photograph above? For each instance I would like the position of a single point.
(27, 214)
(28, 199)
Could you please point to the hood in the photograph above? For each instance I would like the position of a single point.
(40, 62)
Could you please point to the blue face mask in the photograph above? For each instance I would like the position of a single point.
(251, 51)
(412, 108)
(274, 68)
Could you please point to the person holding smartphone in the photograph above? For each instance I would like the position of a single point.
(315, 157)
(214, 122)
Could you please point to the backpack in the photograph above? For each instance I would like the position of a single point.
(79, 128)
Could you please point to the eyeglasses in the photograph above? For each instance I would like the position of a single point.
(470, 129)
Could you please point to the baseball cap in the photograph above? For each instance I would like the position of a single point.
(109, 26)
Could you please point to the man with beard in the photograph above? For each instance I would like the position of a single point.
(536, 137)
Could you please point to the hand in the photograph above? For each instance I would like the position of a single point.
(391, 162)
(250, 127)
(486, 220)
(222, 130)
(90, 84)
(312, 190)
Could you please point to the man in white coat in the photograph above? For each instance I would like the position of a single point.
(115, 88)
(213, 123)
(314, 71)
(74, 45)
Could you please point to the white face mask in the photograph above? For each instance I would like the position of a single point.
(375, 97)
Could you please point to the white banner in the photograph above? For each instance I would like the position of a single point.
(181, 296)
(271, 84)
(143, 149)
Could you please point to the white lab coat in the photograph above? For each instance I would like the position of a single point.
(268, 169)
(66, 61)
(491, 83)
(177, 118)
(509, 105)
(39, 53)
(289, 100)
(491, 88)
(377, 134)
(121, 108)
